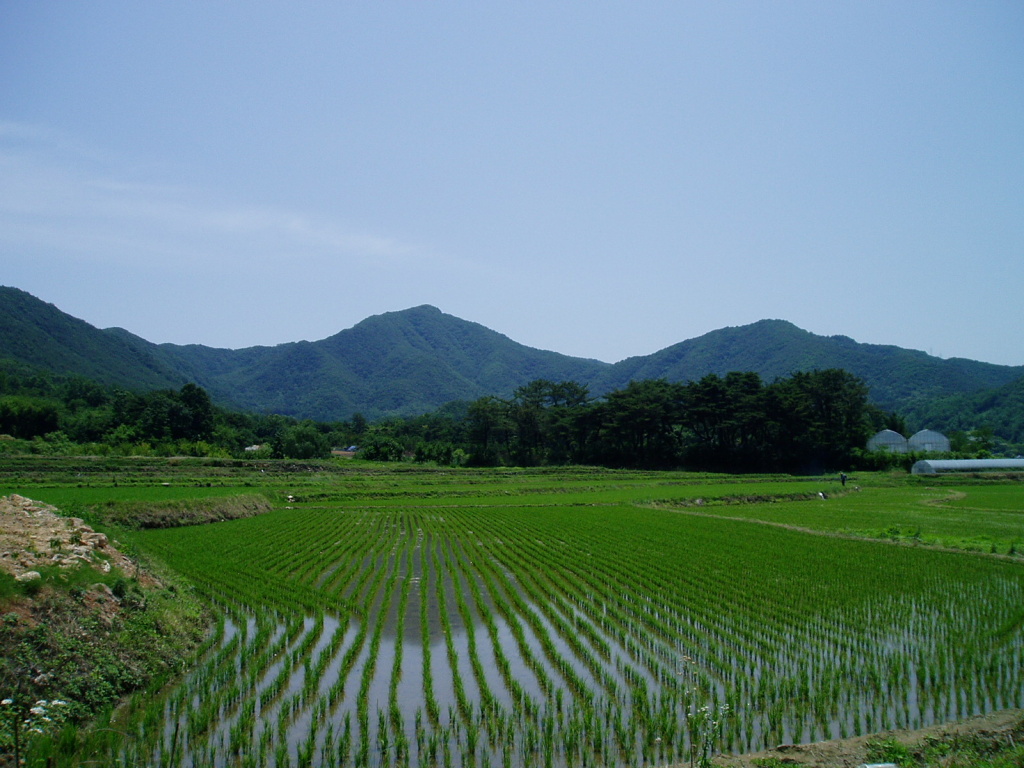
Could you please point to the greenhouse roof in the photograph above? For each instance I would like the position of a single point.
(934, 466)
(889, 435)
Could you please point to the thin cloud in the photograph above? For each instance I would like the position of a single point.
(53, 199)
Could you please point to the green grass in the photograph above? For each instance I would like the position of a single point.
(66, 496)
(1009, 498)
(972, 518)
(972, 750)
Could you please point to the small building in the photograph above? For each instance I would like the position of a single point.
(888, 440)
(928, 441)
(939, 466)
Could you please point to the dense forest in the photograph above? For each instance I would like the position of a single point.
(808, 422)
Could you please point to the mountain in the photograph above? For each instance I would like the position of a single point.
(415, 360)
(397, 363)
(40, 336)
(407, 362)
(896, 377)
(1000, 410)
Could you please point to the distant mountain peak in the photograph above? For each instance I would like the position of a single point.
(414, 360)
(422, 309)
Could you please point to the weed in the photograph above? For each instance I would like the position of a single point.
(889, 751)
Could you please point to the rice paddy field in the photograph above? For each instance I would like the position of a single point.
(568, 617)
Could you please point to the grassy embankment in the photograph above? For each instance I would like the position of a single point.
(85, 636)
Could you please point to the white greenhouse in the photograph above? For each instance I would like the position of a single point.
(937, 466)
(928, 441)
(888, 440)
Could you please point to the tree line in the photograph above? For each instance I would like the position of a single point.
(810, 421)
(42, 413)
(807, 422)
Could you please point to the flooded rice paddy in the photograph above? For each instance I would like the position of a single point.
(567, 635)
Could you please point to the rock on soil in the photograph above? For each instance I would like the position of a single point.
(33, 535)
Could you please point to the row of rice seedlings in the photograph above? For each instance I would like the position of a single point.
(351, 537)
(786, 689)
(885, 687)
(508, 610)
(487, 700)
(336, 692)
(532, 564)
(519, 697)
(628, 675)
(671, 627)
(362, 756)
(167, 715)
(461, 699)
(532, 583)
(552, 595)
(429, 698)
(395, 719)
(330, 540)
(287, 671)
(233, 731)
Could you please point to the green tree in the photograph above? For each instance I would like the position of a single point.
(380, 447)
(826, 418)
(896, 423)
(526, 411)
(641, 424)
(303, 441)
(490, 431)
(358, 424)
(28, 417)
(727, 418)
(196, 401)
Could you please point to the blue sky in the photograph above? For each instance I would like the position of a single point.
(600, 179)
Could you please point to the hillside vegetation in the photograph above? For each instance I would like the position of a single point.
(35, 336)
(415, 361)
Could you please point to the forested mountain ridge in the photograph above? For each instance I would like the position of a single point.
(415, 360)
(40, 336)
(406, 362)
(998, 411)
(897, 378)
